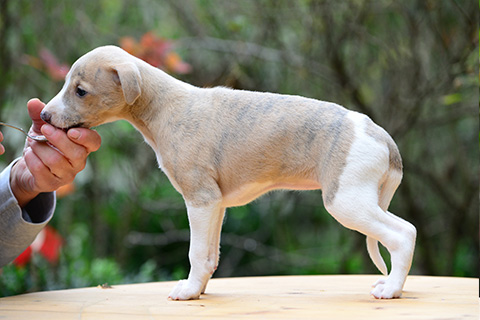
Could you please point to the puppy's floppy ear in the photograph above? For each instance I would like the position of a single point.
(128, 77)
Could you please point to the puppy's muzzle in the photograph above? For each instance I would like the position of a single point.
(46, 116)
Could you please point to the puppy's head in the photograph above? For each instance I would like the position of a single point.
(99, 88)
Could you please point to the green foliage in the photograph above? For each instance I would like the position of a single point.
(76, 268)
(411, 66)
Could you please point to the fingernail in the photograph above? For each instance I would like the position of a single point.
(48, 129)
(74, 133)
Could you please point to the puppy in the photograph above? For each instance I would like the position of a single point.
(223, 148)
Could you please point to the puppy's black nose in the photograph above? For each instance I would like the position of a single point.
(46, 116)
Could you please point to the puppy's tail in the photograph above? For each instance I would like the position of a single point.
(374, 252)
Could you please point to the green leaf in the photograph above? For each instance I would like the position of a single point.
(452, 99)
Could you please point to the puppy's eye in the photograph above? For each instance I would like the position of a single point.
(80, 92)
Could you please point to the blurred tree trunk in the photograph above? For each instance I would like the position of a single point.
(5, 61)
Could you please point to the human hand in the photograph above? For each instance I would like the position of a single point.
(2, 148)
(45, 167)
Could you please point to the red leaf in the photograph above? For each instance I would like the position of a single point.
(175, 64)
(23, 258)
(130, 45)
(156, 51)
(51, 245)
(56, 70)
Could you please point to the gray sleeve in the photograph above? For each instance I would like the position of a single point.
(19, 227)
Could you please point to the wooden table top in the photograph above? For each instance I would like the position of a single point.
(284, 297)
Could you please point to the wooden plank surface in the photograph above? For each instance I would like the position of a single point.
(286, 297)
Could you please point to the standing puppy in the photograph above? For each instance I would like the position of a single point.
(223, 148)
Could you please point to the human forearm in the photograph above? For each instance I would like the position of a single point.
(19, 227)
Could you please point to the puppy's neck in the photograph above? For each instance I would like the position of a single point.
(161, 95)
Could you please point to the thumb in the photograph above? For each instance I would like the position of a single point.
(35, 106)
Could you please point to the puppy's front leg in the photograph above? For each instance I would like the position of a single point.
(205, 228)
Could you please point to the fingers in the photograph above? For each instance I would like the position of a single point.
(35, 107)
(57, 162)
(54, 162)
(60, 150)
(2, 149)
(88, 138)
(75, 146)
(40, 177)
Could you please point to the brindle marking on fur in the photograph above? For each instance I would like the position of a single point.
(282, 155)
(98, 73)
(379, 134)
(81, 74)
(341, 132)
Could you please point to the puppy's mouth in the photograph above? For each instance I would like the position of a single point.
(46, 117)
(78, 125)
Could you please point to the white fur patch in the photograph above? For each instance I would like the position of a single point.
(367, 159)
(57, 101)
(367, 162)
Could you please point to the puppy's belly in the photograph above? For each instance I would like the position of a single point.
(248, 192)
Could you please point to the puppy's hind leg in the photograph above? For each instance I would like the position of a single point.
(205, 228)
(400, 242)
(356, 207)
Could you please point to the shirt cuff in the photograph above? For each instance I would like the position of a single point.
(36, 214)
(19, 227)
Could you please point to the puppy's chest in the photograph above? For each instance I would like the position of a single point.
(169, 171)
(159, 160)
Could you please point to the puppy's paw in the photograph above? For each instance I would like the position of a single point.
(184, 291)
(384, 289)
